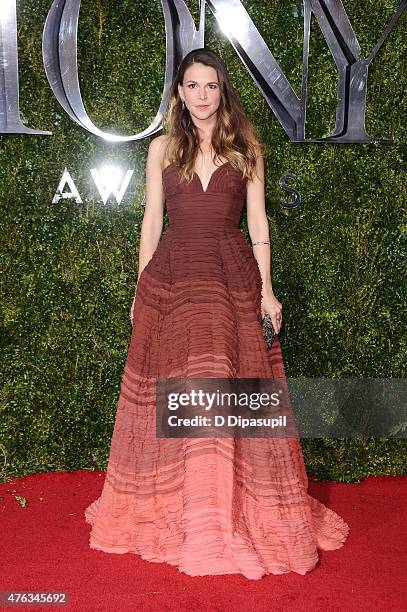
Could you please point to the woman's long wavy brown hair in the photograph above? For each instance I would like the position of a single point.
(234, 137)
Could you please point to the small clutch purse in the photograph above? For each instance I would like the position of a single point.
(268, 330)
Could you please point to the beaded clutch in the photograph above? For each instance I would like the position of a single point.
(268, 330)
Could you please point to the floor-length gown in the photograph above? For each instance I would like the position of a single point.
(206, 505)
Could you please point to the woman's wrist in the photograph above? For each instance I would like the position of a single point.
(267, 289)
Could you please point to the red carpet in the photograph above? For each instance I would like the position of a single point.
(44, 547)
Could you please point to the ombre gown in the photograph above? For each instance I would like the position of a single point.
(206, 505)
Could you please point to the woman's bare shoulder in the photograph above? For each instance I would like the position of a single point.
(161, 140)
(158, 147)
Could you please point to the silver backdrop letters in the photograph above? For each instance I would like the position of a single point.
(10, 121)
(59, 50)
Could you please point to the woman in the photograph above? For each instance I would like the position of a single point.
(208, 505)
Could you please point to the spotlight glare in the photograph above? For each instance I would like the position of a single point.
(111, 176)
(232, 21)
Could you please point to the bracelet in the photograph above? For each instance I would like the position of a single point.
(262, 242)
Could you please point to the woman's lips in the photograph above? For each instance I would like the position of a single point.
(202, 105)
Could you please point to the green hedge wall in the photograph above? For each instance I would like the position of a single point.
(69, 270)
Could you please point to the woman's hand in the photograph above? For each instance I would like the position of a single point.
(271, 306)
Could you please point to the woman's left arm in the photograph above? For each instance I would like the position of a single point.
(258, 227)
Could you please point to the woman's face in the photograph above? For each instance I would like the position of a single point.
(201, 87)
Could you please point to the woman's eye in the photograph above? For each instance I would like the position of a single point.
(212, 85)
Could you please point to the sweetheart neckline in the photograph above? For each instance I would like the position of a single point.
(199, 178)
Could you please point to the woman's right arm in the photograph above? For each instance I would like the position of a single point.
(152, 224)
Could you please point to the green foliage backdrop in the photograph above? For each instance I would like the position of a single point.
(69, 270)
